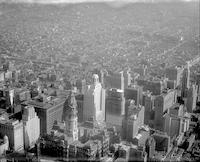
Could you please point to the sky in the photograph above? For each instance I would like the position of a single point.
(82, 1)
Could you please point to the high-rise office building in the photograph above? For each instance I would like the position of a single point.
(133, 120)
(31, 124)
(155, 86)
(162, 103)
(149, 112)
(94, 101)
(80, 102)
(49, 109)
(115, 107)
(192, 98)
(13, 129)
(186, 80)
(134, 92)
(119, 80)
(198, 84)
(174, 74)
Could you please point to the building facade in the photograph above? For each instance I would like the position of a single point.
(13, 129)
(115, 107)
(133, 120)
(31, 124)
(48, 112)
(94, 101)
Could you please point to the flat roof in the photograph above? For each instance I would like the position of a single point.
(44, 105)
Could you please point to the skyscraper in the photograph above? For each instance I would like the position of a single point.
(115, 107)
(192, 98)
(134, 119)
(14, 130)
(162, 103)
(186, 80)
(174, 74)
(94, 101)
(134, 92)
(31, 124)
(149, 112)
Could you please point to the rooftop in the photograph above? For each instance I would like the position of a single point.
(5, 121)
(45, 104)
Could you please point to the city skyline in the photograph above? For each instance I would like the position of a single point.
(99, 81)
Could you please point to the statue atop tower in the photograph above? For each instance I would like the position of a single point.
(95, 79)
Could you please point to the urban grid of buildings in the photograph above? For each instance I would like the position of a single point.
(109, 104)
(119, 117)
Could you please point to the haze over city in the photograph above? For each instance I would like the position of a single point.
(82, 1)
(99, 80)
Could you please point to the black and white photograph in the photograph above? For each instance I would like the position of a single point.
(99, 80)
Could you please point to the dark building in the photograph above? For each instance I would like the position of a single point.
(162, 103)
(48, 112)
(186, 81)
(134, 93)
(174, 74)
(142, 70)
(80, 100)
(150, 147)
(105, 139)
(119, 80)
(115, 107)
(53, 146)
(89, 151)
(149, 111)
(155, 86)
(137, 154)
(162, 141)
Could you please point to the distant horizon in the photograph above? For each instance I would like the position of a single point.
(91, 1)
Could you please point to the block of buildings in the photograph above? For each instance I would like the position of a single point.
(49, 109)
